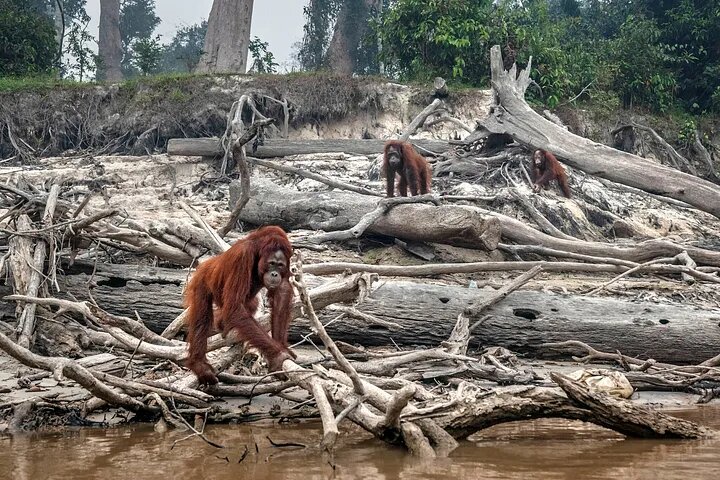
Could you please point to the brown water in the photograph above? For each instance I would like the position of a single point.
(547, 449)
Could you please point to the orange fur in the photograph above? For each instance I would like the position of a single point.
(549, 169)
(232, 281)
(414, 170)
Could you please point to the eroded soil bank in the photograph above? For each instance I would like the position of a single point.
(139, 117)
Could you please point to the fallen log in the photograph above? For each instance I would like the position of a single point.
(513, 116)
(522, 403)
(26, 321)
(518, 232)
(623, 416)
(155, 301)
(424, 315)
(331, 211)
(153, 294)
(337, 210)
(211, 147)
(526, 319)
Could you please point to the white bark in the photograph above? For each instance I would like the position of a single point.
(512, 115)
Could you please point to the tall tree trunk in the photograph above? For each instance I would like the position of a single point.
(227, 38)
(109, 45)
(350, 28)
(54, 9)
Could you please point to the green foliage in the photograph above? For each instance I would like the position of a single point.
(686, 135)
(137, 22)
(263, 59)
(72, 8)
(359, 28)
(35, 83)
(531, 31)
(27, 39)
(641, 58)
(178, 96)
(452, 39)
(423, 39)
(654, 54)
(163, 82)
(319, 16)
(80, 61)
(147, 55)
(691, 30)
(183, 53)
(715, 100)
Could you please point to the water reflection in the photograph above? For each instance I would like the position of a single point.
(548, 449)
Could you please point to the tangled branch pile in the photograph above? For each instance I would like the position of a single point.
(96, 295)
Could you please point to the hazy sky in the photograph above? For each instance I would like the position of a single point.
(278, 22)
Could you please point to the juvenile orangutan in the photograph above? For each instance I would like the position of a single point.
(400, 158)
(546, 168)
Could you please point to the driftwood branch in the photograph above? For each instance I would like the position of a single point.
(705, 156)
(420, 119)
(314, 176)
(459, 338)
(370, 218)
(477, 307)
(513, 116)
(330, 268)
(26, 322)
(447, 118)
(70, 369)
(626, 418)
(672, 154)
(299, 283)
(238, 153)
(278, 147)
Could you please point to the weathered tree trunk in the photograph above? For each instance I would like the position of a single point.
(156, 303)
(153, 294)
(338, 210)
(350, 28)
(425, 316)
(514, 116)
(272, 147)
(518, 232)
(109, 44)
(227, 38)
(526, 319)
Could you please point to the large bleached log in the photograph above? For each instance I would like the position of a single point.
(415, 314)
(155, 294)
(210, 147)
(515, 231)
(514, 116)
(338, 210)
(130, 291)
(527, 319)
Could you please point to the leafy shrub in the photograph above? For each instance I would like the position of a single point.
(27, 40)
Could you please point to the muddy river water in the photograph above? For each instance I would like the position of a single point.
(547, 449)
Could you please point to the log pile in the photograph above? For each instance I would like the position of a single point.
(95, 291)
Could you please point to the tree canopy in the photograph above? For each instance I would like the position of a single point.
(658, 54)
(648, 52)
(141, 52)
(654, 53)
(183, 52)
(27, 39)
